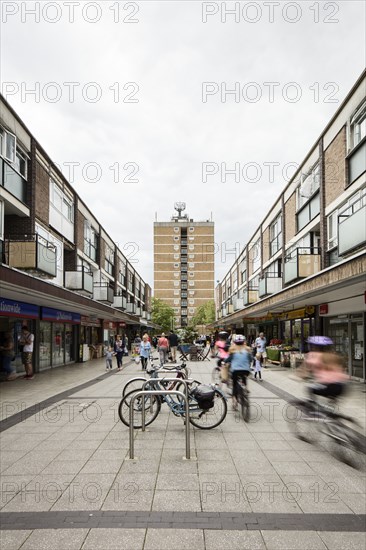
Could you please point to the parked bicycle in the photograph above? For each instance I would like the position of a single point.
(314, 420)
(207, 405)
(182, 371)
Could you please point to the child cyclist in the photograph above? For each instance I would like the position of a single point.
(240, 358)
(222, 350)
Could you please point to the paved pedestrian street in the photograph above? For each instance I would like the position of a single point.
(67, 481)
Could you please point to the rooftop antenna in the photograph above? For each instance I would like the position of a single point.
(179, 207)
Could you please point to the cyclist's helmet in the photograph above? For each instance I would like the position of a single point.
(223, 335)
(320, 341)
(239, 339)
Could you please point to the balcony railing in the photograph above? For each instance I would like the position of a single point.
(250, 296)
(351, 230)
(31, 252)
(131, 308)
(238, 303)
(302, 262)
(81, 281)
(12, 181)
(103, 293)
(119, 302)
(270, 283)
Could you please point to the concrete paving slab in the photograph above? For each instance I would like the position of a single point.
(166, 539)
(234, 540)
(180, 501)
(294, 540)
(58, 539)
(344, 541)
(13, 540)
(114, 539)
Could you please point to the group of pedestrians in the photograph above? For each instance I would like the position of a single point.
(25, 346)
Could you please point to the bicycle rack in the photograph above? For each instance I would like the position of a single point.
(159, 392)
(186, 382)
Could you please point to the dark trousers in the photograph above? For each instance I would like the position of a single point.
(239, 375)
(143, 362)
(119, 357)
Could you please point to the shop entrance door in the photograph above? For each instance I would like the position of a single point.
(357, 351)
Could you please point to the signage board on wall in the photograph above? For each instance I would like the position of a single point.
(323, 309)
(11, 308)
(58, 316)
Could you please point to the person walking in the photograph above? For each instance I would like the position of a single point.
(145, 349)
(173, 343)
(258, 367)
(7, 354)
(119, 347)
(108, 359)
(163, 346)
(261, 344)
(26, 340)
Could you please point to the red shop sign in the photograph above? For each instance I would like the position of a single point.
(323, 309)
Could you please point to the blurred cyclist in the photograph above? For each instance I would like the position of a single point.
(240, 358)
(222, 350)
(325, 368)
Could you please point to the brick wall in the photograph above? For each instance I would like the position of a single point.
(265, 246)
(80, 230)
(335, 167)
(290, 215)
(43, 194)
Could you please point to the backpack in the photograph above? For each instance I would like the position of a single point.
(204, 394)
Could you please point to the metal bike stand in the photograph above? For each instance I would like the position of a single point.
(154, 381)
(159, 392)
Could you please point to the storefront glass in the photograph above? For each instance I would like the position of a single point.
(44, 345)
(69, 348)
(357, 346)
(296, 334)
(58, 344)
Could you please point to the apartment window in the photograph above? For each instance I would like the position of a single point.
(275, 235)
(176, 247)
(61, 201)
(256, 256)
(176, 302)
(184, 312)
(191, 229)
(191, 247)
(243, 271)
(176, 238)
(191, 310)
(235, 280)
(21, 163)
(8, 145)
(358, 125)
(191, 283)
(176, 266)
(308, 187)
(191, 265)
(308, 212)
(176, 310)
(1, 220)
(183, 295)
(191, 238)
(184, 286)
(176, 256)
(130, 281)
(90, 241)
(109, 259)
(176, 229)
(122, 278)
(176, 283)
(191, 274)
(176, 273)
(354, 203)
(333, 230)
(176, 292)
(191, 302)
(191, 256)
(191, 292)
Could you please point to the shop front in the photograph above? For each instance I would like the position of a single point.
(58, 332)
(347, 330)
(14, 315)
(109, 333)
(90, 338)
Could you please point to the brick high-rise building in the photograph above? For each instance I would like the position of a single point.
(184, 264)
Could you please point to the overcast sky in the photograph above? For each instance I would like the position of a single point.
(157, 121)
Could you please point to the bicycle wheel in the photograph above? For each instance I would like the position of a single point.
(133, 385)
(303, 421)
(210, 418)
(349, 445)
(245, 406)
(152, 409)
